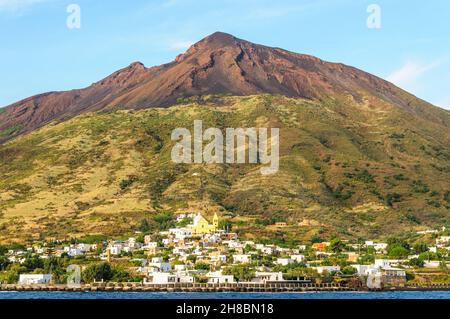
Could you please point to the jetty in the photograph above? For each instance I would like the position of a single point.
(183, 287)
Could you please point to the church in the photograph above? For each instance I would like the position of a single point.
(201, 226)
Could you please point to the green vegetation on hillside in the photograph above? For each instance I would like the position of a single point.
(347, 169)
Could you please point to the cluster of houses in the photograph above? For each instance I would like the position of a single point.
(174, 256)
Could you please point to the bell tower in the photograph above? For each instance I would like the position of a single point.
(216, 222)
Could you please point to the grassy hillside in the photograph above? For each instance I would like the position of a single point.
(353, 168)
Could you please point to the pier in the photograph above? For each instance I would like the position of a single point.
(182, 287)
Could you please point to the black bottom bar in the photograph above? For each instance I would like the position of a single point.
(232, 308)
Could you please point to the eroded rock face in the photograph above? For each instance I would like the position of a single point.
(220, 63)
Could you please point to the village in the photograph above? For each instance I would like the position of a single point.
(198, 251)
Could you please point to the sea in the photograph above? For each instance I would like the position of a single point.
(225, 295)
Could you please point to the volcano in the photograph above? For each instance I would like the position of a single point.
(218, 64)
(358, 156)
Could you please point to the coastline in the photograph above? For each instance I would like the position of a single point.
(213, 288)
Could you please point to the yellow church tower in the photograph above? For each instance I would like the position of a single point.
(201, 226)
(216, 222)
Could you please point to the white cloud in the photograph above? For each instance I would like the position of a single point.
(408, 75)
(18, 5)
(180, 44)
(413, 77)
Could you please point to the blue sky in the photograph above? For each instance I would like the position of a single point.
(39, 53)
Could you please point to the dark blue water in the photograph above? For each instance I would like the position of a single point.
(230, 295)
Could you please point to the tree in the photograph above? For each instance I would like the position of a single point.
(337, 245)
(240, 272)
(4, 262)
(201, 266)
(397, 248)
(3, 250)
(316, 239)
(126, 183)
(225, 225)
(97, 272)
(185, 221)
(416, 262)
(164, 221)
(420, 248)
(11, 275)
(397, 251)
(144, 226)
(56, 267)
(33, 262)
(349, 270)
(121, 275)
(366, 259)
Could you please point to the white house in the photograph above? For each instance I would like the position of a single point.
(133, 244)
(266, 250)
(218, 258)
(384, 263)
(33, 279)
(244, 259)
(381, 263)
(86, 247)
(233, 244)
(322, 269)
(218, 278)
(442, 241)
(394, 272)
(263, 277)
(432, 264)
(181, 233)
(147, 239)
(179, 268)
(158, 265)
(365, 270)
(298, 258)
(157, 260)
(73, 252)
(162, 278)
(379, 247)
(115, 249)
(284, 261)
(166, 241)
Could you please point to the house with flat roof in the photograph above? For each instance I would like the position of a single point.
(35, 279)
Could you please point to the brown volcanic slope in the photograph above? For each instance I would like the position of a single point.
(220, 63)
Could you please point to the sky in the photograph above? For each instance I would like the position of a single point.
(43, 48)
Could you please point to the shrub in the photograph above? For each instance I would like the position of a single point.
(97, 272)
(365, 176)
(126, 183)
(201, 266)
(240, 272)
(392, 198)
(420, 187)
(397, 135)
(416, 262)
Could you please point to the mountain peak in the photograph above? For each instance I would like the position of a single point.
(214, 41)
(220, 37)
(125, 75)
(137, 65)
(218, 64)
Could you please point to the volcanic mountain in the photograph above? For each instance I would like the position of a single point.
(218, 64)
(359, 157)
